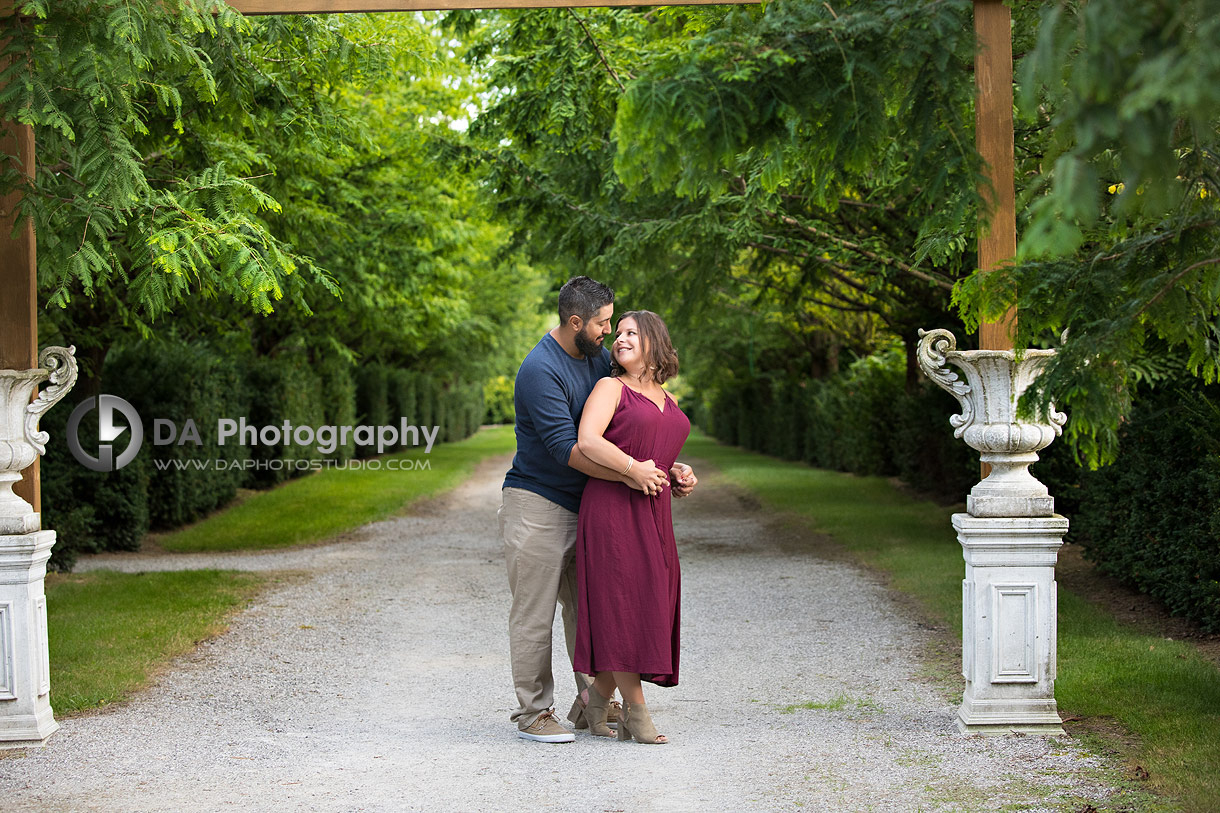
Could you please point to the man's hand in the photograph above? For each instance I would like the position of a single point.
(682, 478)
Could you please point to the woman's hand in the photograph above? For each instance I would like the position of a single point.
(682, 478)
(645, 476)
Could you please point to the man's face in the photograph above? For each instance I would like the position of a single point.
(589, 339)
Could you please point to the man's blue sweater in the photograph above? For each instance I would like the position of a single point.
(549, 395)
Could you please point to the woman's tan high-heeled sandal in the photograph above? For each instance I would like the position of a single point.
(577, 713)
(637, 722)
(595, 711)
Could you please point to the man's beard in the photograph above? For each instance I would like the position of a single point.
(587, 347)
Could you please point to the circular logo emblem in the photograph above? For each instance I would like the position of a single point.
(107, 431)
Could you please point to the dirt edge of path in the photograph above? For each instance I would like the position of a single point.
(1076, 573)
(941, 648)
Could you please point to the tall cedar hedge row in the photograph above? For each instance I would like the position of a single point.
(860, 421)
(93, 512)
(1152, 518)
(181, 382)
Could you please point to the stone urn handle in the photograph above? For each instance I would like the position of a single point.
(61, 362)
(933, 345)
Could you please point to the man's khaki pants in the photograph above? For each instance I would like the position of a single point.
(539, 549)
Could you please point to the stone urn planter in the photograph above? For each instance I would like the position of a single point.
(26, 717)
(1010, 538)
(995, 381)
(21, 443)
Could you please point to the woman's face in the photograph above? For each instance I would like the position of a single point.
(629, 345)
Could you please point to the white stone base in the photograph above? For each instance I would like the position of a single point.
(31, 731)
(17, 516)
(25, 682)
(995, 717)
(1009, 623)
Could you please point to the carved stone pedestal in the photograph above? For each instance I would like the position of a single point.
(1010, 539)
(25, 681)
(1009, 617)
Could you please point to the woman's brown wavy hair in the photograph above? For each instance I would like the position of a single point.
(659, 354)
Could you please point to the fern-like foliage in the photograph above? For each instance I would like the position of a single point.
(1121, 239)
(788, 181)
(161, 126)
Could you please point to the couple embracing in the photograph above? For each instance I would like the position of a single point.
(585, 517)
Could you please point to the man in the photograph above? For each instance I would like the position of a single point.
(541, 496)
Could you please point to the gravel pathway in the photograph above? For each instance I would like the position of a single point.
(380, 682)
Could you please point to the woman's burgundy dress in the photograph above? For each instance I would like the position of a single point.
(627, 576)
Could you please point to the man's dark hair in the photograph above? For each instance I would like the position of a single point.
(583, 297)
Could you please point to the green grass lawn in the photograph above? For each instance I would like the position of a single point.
(321, 505)
(1163, 693)
(110, 632)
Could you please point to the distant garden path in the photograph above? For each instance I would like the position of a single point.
(378, 681)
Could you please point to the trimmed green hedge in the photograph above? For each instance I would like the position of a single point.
(464, 410)
(402, 398)
(89, 511)
(1152, 518)
(180, 382)
(282, 388)
(337, 376)
(861, 421)
(173, 483)
(372, 400)
(385, 395)
(427, 394)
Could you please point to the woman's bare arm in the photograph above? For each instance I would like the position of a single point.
(599, 409)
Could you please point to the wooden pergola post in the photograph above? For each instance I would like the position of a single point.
(19, 286)
(993, 138)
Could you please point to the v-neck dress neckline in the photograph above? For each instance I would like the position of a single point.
(664, 403)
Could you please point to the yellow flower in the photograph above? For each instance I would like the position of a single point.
(1115, 188)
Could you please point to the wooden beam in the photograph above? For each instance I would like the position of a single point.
(345, 6)
(994, 141)
(18, 284)
(253, 7)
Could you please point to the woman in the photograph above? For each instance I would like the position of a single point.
(627, 576)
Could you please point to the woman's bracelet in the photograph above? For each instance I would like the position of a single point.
(630, 463)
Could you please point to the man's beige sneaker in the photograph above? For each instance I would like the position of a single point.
(546, 729)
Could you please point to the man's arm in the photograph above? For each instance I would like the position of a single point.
(583, 464)
(554, 425)
(548, 411)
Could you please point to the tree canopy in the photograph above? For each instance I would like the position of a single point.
(806, 172)
(201, 173)
(788, 183)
